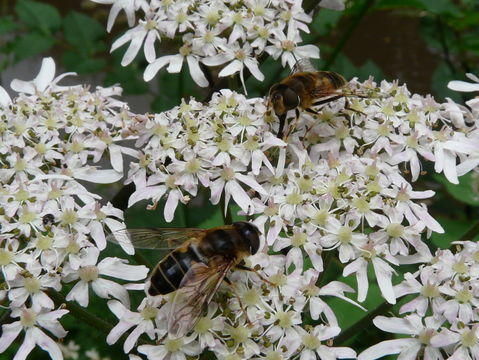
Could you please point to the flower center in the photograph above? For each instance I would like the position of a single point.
(345, 234)
(149, 313)
(89, 273)
(203, 325)
(430, 291)
(251, 297)
(310, 341)
(173, 345)
(294, 198)
(68, 217)
(6, 257)
(239, 334)
(395, 230)
(193, 166)
(464, 296)
(288, 45)
(468, 338)
(284, 319)
(32, 285)
(28, 318)
(22, 195)
(228, 174)
(460, 267)
(361, 204)
(27, 216)
(44, 242)
(298, 239)
(321, 217)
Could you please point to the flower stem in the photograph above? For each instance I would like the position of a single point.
(80, 313)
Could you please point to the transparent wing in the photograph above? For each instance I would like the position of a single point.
(195, 293)
(304, 65)
(154, 238)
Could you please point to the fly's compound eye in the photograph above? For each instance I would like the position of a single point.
(290, 99)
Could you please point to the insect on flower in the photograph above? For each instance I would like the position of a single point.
(304, 89)
(197, 263)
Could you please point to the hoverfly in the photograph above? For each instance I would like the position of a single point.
(304, 89)
(197, 263)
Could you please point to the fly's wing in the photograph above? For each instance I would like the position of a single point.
(153, 238)
(304, 65)
(195, 293)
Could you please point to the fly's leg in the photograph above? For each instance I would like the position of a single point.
(233, 289)
(282, 120)
(246, 268)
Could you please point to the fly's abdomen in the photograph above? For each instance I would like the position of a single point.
(167, 275)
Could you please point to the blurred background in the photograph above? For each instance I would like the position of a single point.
(423, 43)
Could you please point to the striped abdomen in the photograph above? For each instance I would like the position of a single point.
(167, 275)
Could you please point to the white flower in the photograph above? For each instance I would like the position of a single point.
(419, 340)
(90, 272)
(463, 85)
(44, 81)
(31, 321)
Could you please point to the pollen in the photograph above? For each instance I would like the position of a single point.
(69, 217)
(203, 325)
(383, 130)
(395, 230)
(284, 319)
(213, 17)
(89, 273)
(170, 181)
(274, 355)
(185, 49)
(32, 285)
(6, 257)
(173, 345)
(342, 132)
(76, 147)
(55, 194)
(28, 318)
(311, 342)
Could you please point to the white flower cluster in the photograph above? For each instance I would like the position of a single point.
(441, 320)
(334, 184)
(231, 34)
(52, 228)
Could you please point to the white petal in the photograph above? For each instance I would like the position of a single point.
(155, 66)
(46, 343)
(46, 74)
(387, 347)
(232, 68)
(4, 97)
(196, 72)
(457, 85)
(176, 63)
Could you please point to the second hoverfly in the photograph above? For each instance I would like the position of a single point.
(195, 267)
(303, 90)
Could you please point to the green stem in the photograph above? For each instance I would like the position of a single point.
(362, 324)
(78, 312)
(349, 31)
(471, 233)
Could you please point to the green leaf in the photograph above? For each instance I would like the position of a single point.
(453, 230)
(30, 45)
(7, 24)
(394, 4)
(370, 68)
(466, 191)
(441, 7)
(38, 15)
(324, 21)
(84, 33)
(441, 76)
(130, 78)
(81, 65)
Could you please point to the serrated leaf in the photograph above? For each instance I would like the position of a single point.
(30, 45)
(7, 24)
(38, 15)
(81, 65)
(84, 33)
(465, 191)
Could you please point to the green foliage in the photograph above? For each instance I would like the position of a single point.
(84, 33)
(7, 24)
(38, 16)
(30, 45)
(464, 192)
